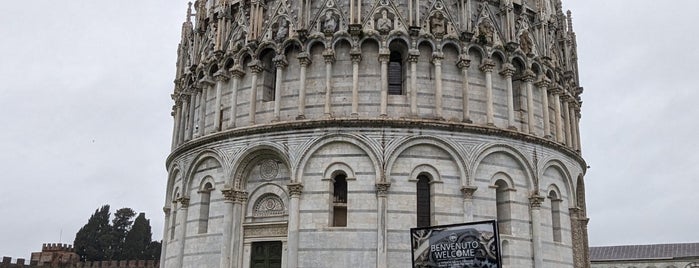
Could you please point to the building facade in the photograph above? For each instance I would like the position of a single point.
(685, 255)
(316, 133)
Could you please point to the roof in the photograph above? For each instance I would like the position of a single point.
(644, 252)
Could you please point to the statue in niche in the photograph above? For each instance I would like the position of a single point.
(486, 31)
(438, 25)
(384, 24)
(525, 41)
(282, 30)
(329, 22)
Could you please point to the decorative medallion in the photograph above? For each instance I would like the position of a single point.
(269, 169)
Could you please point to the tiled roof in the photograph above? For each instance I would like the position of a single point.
(640, 252)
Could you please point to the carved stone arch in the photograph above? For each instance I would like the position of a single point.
(264, 191)
(567, 178)
(202, 156)
(554, 188)
(516, 57)
(537, 69)
(497, 53)
(502, 176)
(228, 63)
(244, 55)
(430, 170)
(174, 172)
(334, 168)
(207, 180)
(395, 38)
(370, 148)
(242, 163)
(487, 150)
(427, 41)
(339, 40)
(264, 47)
(314, 42)
(291, 44)
(395, 149)
(369, 38)
(451, 43)
(477, 49)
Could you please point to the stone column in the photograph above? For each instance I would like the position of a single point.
(175, 113)
(239, 200)
(508, 70)
(237, 73)
(437, 61)
(304, 61)
(166, 237)
(202, 105)
(413, 56)
(295, 190)
(543, 86)
(557, 113)
(464, 63)
(487, 67)
(184, 204)
(280, 63)
(221, 77)
(573, 125)
(329, 57)
(531, 121)
(183, 118)
(256, 69)
(356, 57)
(577, 127)
(537, 249)
(382, 230)
(578, 222)
(468, 192)
(190, 119)
(566, 123)
(227, 237)
(384, 57)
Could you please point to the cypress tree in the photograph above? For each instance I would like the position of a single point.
(94, 238)
(138, 239)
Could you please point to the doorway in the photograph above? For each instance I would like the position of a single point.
(266, 255)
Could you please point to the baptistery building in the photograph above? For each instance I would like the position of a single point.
(316, 133)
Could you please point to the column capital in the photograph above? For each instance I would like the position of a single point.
(543, 83)
(464, 61)
(304, 59)
(384, 55)
(234, 196)
(382, 188)
(508, 70)
(536, 200)
(437, 57)
(255, 66)
(280, 61)
(355, 56)
(468, 191)
(236, 71)
(295, 189)
(528, 76)
(166, 210)
(206, 81)
(413, 55)
(221, 76)
(487, 65)
(184, 201)
(329, 55)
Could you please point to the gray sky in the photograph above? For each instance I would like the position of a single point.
(84, 110)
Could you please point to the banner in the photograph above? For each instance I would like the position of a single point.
(466, 245)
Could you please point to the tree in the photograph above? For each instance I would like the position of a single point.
(138, 239)
(93, 240)
(121, 224)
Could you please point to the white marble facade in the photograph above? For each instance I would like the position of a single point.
(275, 100)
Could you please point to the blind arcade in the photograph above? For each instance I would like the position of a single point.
(464, 245)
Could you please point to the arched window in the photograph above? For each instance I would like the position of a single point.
(502, 205)
(340, 201)
(173, 215)
(555, 215)
(205, 199)
(269, 76)
(395, 73)
(424, 202)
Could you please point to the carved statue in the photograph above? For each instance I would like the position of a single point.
(384, 24)
(525, 41)
(329, 22)
(486, 31)
(437, 24)
(282, 30)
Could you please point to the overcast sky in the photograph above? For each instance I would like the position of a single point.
(85, 116)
